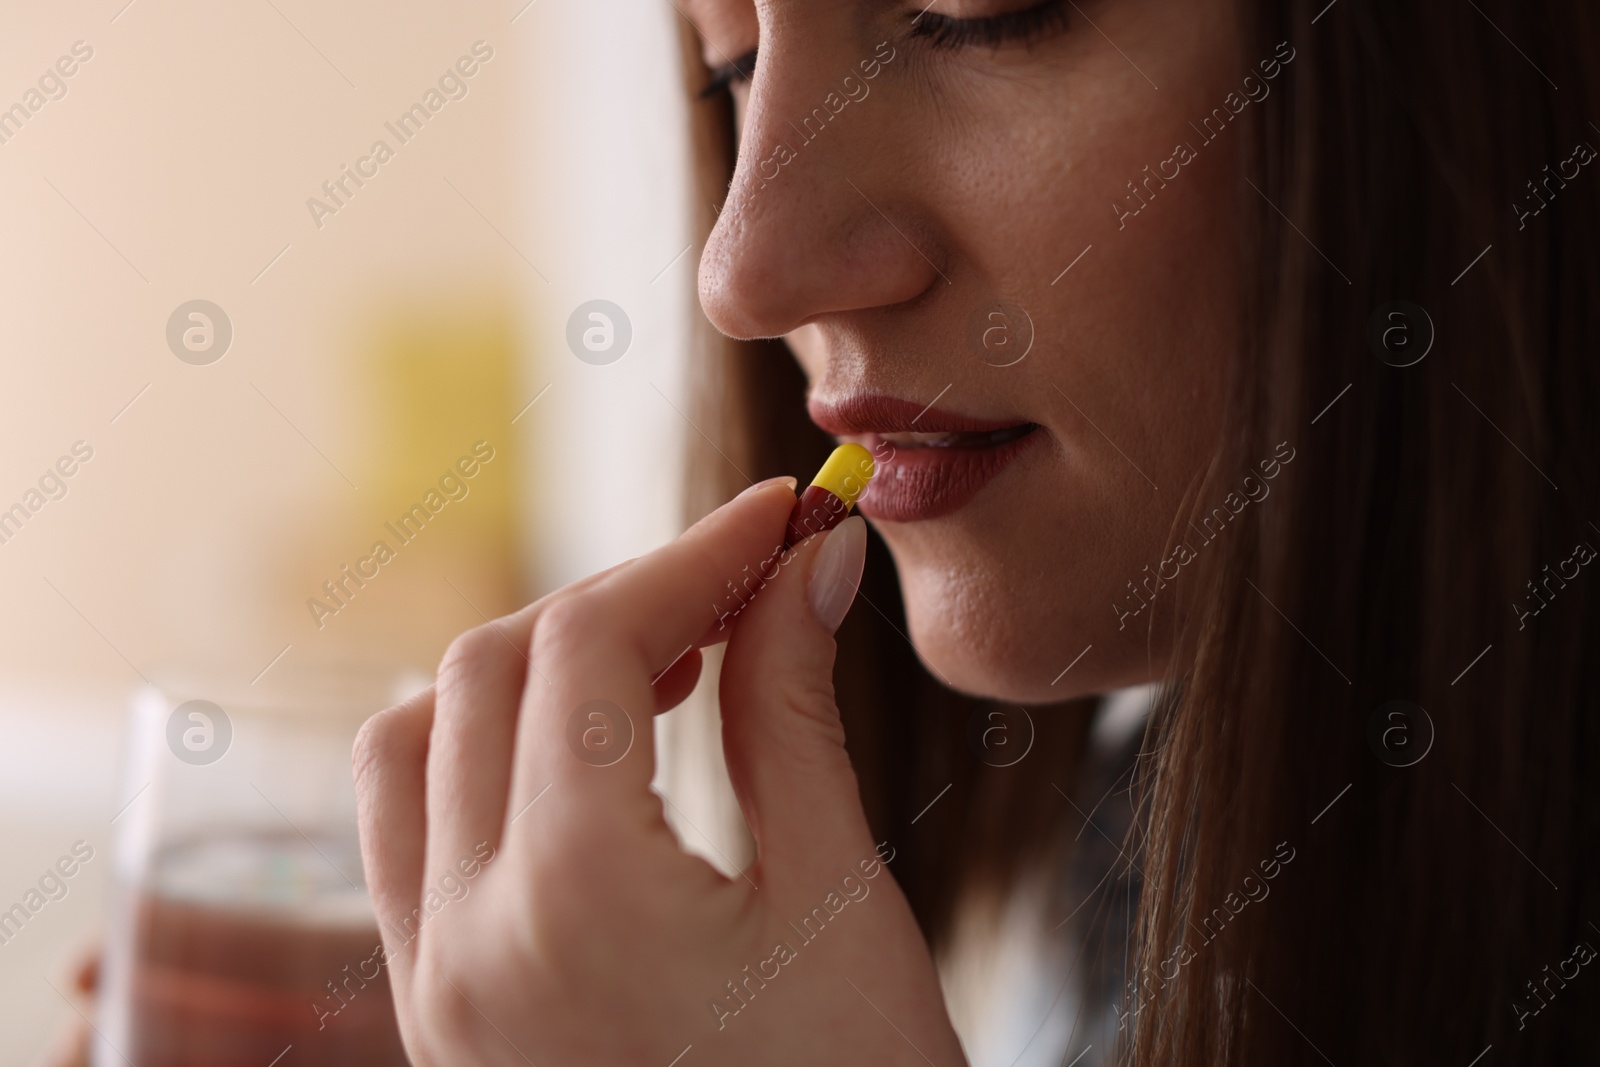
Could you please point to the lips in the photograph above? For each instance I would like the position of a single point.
(930, 462)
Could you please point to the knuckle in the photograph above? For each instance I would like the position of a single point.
(567, 621)
(812, 730)
(813, 707)
(375, 744)
(471, 652)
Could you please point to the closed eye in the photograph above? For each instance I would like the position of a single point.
(993, 31)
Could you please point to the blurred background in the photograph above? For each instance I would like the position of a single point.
(360, 337)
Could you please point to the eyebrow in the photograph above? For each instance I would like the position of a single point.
(722, 77)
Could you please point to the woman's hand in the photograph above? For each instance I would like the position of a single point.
(536, 908)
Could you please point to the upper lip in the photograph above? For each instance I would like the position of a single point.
(868, 413)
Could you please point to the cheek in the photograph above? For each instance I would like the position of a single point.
(1133, 317)
(1161, 324)
(1128, 372)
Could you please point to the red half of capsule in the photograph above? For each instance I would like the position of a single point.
(817, 511)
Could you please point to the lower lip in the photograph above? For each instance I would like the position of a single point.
(925, 483)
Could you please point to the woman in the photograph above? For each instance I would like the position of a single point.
(1241, 349)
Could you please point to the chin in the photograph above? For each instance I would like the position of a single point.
(1010, 618)
(989, 631)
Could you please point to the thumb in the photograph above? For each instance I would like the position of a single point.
(781, 731)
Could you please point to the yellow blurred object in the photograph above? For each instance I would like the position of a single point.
(430, 547)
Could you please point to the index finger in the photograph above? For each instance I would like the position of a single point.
(586, 722)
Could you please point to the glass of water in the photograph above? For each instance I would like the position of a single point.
(241, 930)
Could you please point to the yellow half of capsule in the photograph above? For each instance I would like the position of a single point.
(846, 473)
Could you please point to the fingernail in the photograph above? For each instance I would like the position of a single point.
(836, 573)
(782, 478)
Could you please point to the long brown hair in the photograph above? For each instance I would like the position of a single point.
(1393, 682)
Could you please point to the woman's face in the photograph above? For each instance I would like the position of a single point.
(999, 237)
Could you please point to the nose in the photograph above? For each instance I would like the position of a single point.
(819, 219)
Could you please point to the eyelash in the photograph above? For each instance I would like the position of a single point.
(992, 31)
(940, 31)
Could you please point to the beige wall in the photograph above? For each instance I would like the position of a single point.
(373, 352)
(366, 358)
(191, 142)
